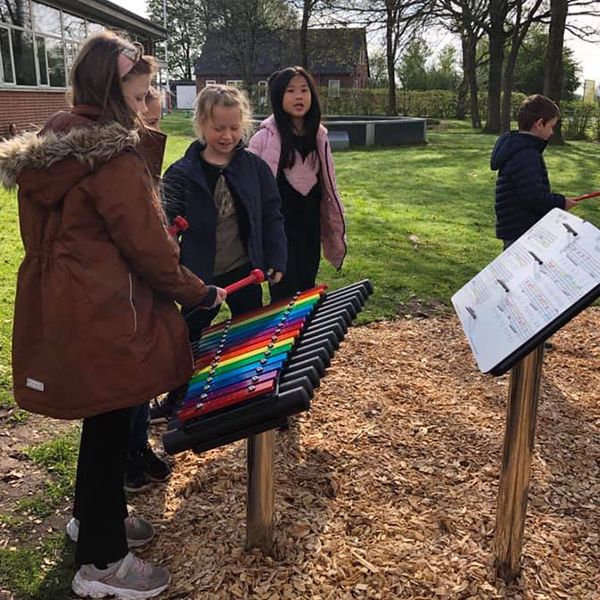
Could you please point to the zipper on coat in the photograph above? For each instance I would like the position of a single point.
(133, 309)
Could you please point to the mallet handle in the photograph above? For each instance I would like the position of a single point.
(586, 196)
(256, 276)
(179, 225)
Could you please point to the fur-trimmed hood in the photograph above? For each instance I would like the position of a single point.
(52, 162)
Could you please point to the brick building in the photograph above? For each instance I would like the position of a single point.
(337, 58)
(38, 43)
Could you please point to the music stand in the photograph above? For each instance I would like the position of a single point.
(507, 311)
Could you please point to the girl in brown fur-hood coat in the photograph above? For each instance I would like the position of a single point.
(95, 326)
(96, 329)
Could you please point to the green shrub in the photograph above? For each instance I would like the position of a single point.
(579, 120)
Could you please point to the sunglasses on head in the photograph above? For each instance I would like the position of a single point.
(134, 52)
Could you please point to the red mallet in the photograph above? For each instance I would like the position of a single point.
(586, 196)
(179, 225)
(256, 276)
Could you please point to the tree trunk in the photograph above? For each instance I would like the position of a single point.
(469, 50)
(304, 34)
(553, 67)
(498, 9)
(391, 63)
(461, 100)
(508, 80)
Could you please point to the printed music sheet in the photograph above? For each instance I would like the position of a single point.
(533, 288)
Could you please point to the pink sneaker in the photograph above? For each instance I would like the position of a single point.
(139, 531)
(128, 579)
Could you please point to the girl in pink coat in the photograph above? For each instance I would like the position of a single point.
(294, 144)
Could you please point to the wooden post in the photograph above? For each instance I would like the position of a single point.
(259, 506)
(516, 463)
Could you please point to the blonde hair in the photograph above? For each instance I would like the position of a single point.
(221, 95)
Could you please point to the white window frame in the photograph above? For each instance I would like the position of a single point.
(35, 33)
(36, 85)
(263, 91)
(37, 60)
(333, 88)
(235, 82)
(12, 83)
(210, 82)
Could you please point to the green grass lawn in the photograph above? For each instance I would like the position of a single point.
(420, 218)
(420, 224)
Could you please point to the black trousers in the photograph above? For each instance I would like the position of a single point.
(100, 503)
(304, 256)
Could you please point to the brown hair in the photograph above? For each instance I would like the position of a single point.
(221, 95)
(536, 107)
(95, 76)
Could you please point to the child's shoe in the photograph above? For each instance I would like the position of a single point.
(154, 467)
(135, 478)
(139, 531)
(161, 411)
(143, 467)
(128, 579)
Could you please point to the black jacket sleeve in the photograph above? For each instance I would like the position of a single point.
(173, 192)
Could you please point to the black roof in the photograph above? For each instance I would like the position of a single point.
(331, 52)
(111, 14)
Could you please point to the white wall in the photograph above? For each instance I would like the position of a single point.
(186, 94)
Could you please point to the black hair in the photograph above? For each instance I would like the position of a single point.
(278, 83)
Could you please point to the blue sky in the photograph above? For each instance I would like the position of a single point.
(587, 54)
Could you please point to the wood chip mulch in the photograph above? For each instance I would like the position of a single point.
(387, 489)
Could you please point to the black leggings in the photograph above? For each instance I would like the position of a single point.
(304, 256)
(100, 503)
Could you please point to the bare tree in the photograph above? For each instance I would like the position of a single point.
(564, 17)
(498, 12)
(553, 67)
(309, 9)
(188, 25)
(509, 21)
(241, 23)
(397, 20)
(466, 18)
(526, 14)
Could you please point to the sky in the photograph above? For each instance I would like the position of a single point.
(587, 54)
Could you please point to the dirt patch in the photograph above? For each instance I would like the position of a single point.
(416, 308)
(19, 477)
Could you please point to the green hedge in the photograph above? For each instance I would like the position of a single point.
(580, 121)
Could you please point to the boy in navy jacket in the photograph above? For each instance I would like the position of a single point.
(523, 194)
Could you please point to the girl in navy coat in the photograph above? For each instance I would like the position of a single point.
(230, 199)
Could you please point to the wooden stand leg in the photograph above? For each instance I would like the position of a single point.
(516, 463)
(259, 507)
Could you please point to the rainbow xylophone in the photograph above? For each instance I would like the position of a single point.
(252, 372)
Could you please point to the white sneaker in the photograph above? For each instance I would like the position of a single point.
(128, 579)
(138, 531)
